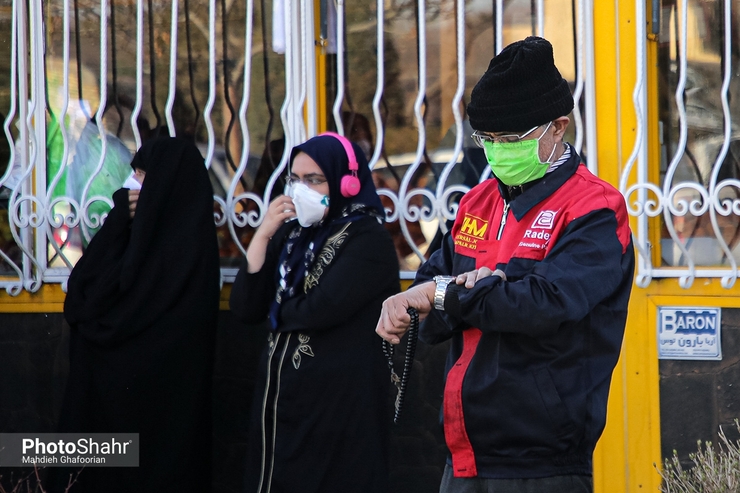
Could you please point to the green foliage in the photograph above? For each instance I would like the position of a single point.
(713, 470)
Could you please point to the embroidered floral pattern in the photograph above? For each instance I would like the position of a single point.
(304, 348)
(271, 343)
(326, 256)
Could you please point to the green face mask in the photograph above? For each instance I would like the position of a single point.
(516, 163)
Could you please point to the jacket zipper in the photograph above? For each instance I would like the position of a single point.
(503, 220)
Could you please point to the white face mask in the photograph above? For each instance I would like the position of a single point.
(131, 183)
(310, 205)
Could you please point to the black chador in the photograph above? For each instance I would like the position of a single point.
(142, 304)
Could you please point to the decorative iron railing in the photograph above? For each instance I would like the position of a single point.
(84, 83)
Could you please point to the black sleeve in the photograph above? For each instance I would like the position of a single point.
(586, 266)
(439, 264)
(251, 294)
(365, 267)
(93, 284)
(438, 326)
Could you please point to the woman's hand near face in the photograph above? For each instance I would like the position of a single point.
(133, 199)
(280, 210)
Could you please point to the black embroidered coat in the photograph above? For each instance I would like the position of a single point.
(320, 416)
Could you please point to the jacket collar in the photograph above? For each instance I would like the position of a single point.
(523, 198)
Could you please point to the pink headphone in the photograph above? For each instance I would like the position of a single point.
(350, 185)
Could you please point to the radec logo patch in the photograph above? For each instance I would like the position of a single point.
(538, 236)
(545, 220)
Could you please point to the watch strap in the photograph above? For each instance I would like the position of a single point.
(440, 291)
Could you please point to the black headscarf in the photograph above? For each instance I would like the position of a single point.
(329, 154)
(299, 251)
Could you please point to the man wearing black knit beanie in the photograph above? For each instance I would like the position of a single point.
(531, 285)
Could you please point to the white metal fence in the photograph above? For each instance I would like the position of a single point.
(696, 198)
(221, 74)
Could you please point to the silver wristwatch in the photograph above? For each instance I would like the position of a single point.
(439, 291)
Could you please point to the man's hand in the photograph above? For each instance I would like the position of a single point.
(470, 278)
(394, 320)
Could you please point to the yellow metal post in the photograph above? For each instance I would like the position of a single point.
(630, 446)
(321, 79)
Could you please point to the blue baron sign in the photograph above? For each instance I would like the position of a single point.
(689, 333)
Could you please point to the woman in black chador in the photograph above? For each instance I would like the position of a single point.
(320, 418)
(142, 303)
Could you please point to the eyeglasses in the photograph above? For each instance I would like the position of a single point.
(308, 180)
(479, 138)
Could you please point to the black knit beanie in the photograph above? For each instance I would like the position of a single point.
(521, 89)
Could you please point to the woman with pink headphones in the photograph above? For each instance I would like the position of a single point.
(319, 267)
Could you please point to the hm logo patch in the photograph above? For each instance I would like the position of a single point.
(474, 226)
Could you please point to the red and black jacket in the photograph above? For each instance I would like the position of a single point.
(531, 358)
